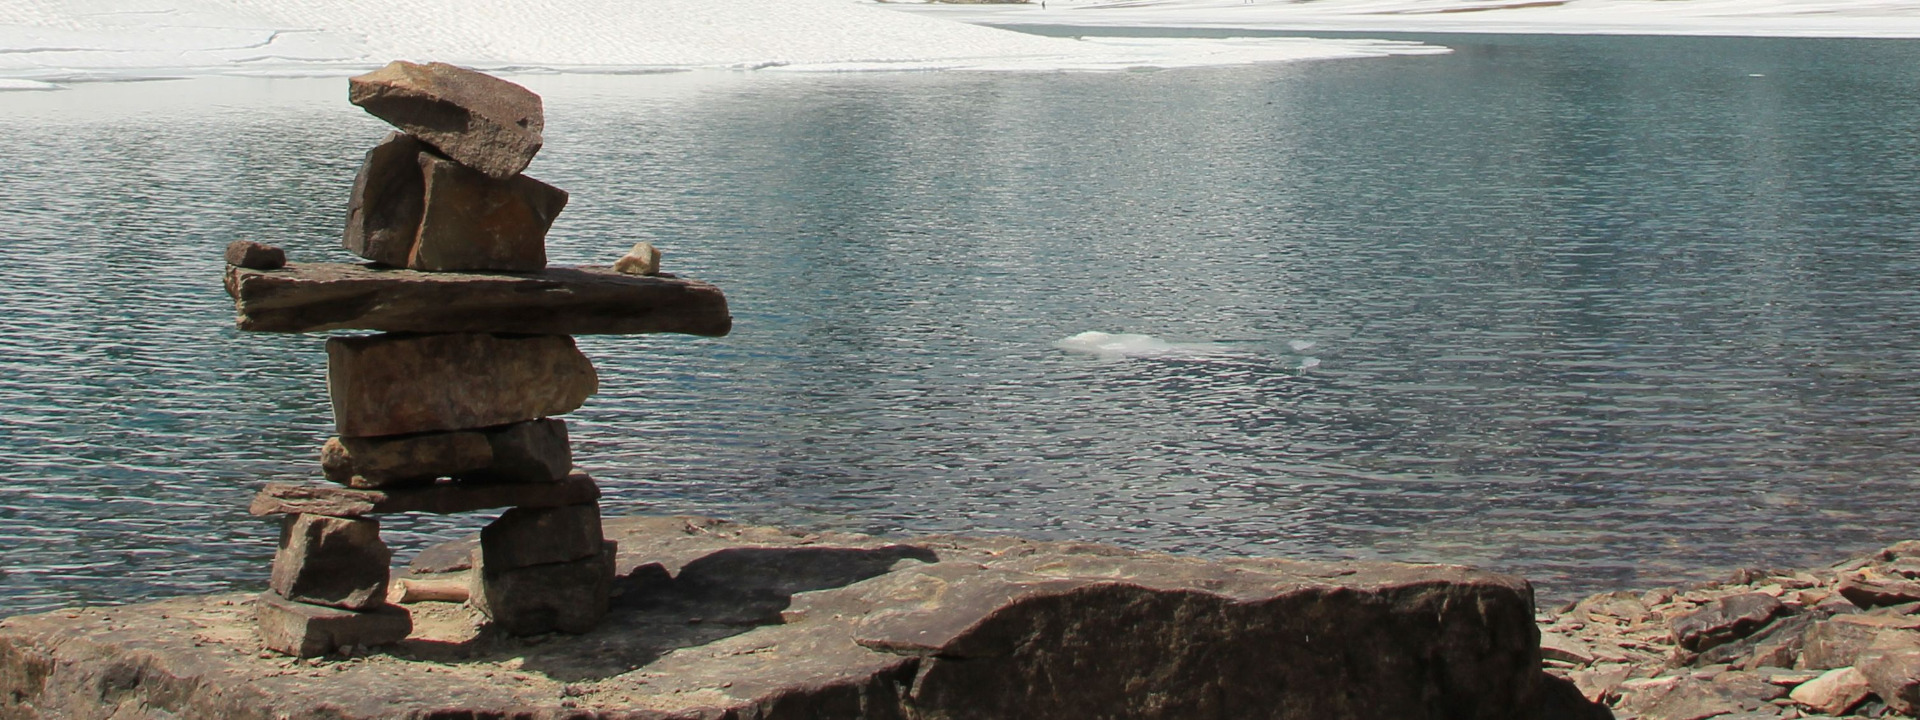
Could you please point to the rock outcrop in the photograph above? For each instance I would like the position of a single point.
(713, 620)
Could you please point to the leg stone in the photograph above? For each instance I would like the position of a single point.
(524, 537)
(337, 562)
(304, 630)
(569, 597)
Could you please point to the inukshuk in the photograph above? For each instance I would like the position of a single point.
(450, 408)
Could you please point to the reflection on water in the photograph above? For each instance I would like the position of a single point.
(1595, 310)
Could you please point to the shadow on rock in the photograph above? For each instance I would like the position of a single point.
(727, 592)
(1560, 700)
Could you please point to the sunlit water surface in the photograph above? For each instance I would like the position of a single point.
(1606, 312)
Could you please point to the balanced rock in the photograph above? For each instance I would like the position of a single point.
(255, 255)
(337, 562)
(569, 597)
(532, 451)
(304, 630)
(402, 383)
(643, 259)
(442, 498)
(573, 301)
(522, 537)
(480, 121)
(474, 222)
(389, 194)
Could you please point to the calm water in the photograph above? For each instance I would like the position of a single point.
(1603, 311)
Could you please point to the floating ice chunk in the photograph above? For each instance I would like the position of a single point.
(1301, 345)
(1115, 346)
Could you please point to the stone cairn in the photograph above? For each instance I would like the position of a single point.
(449, 409)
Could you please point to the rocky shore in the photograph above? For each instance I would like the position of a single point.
(1842, 641)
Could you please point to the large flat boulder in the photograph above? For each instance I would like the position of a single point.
(310, 297)
(405, 383)
(484, 122)
(714, 620)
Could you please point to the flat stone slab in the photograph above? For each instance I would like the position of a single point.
(440, 498)
(713, 620)
(311, 297)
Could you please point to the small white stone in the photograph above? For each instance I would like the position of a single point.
(643, 259)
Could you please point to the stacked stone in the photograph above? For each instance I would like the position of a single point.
(451, 408)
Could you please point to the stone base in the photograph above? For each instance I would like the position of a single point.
(569, 597)
(304, 630)
(718, 620)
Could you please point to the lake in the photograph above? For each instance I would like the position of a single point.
(1606, 312)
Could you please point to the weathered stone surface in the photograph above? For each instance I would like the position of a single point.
(570, 597)
(255, 256)
(1686, 699)
(1891, 666)
(338, 562)
(305, 630)
(440, 498)
(1833, 693)
(397, 384)
(643, 259)
(389, 193)
(537, 536)
(474, 222)
(1838, 641)
(1724, 620)
(312, 297)
(483, 122)
(1778, 644)
(697, 632)
(1869, 591)
(532, 451)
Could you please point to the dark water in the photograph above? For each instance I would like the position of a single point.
(1603, 311)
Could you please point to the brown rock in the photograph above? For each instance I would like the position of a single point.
(1597, 684)
(1724, 620)
(1891, 666)
(474, 222)
(572, 301)
(440, 498)
(1833, 693)
(1687, 699)
(532, 451)
(1775, 644)
(538, 536)
(569, 597)
(383, 212)
(483, 122)
(403, 459)
(1258, 639)
(1838, 641)
(304, 630)
(338, 562)
(1869, 591)
(397, 384)
(255, 256)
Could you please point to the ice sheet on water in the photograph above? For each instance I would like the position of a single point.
(55, 40)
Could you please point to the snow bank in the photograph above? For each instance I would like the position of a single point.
(1762, 18)
(68, 40)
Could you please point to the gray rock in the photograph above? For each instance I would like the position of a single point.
(570, 597)
(532, 451)
(398, 384)
(481, 121)
(255, 256)
(523, 537)
(389, 194)
(332, 561)
(1724, 620)
(574, 301)
(474, 222)
(304, 630)
(440, 498)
